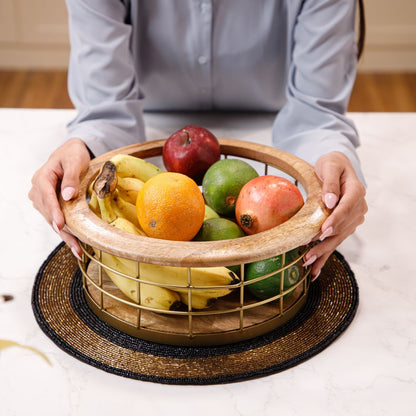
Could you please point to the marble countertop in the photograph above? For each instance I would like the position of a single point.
(369, 370)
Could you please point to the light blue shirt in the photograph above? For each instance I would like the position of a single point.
(296, 58)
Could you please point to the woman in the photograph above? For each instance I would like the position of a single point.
(296, 58)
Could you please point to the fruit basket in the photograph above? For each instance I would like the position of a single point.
(232, 318)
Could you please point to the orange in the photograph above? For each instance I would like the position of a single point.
(170, 206)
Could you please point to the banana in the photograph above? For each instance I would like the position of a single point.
(113, 212)
(197, 302)
(123, 208)
(150, 295)
(176, 277)
(134, 167)
(106, 208)
(111, 205)
(129, 188)
(116, 217)
(93, 204)
(200, 276)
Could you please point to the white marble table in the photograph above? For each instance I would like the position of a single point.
(369, 370)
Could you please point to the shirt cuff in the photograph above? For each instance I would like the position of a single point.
(312, 145)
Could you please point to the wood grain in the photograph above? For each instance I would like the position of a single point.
(297, 231)
(384, 92)
(204, 322)
(34, 89)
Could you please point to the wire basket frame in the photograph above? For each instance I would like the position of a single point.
(235, 317)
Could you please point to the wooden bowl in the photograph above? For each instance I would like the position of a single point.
(231, 320)
(297, 231)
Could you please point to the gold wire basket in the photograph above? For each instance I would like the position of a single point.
(236, 317)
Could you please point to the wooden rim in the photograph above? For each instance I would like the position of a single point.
(298, 231)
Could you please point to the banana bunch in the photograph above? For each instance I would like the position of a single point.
(104, 198)
(129, 166)
(130, 174)
(112, 197)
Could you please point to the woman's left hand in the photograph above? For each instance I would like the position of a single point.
(343, 192)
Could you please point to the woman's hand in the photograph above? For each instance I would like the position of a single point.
(345, 194)
(61, 171)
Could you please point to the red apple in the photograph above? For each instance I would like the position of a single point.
(191, 151)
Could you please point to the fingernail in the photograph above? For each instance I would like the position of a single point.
(75, 253)
(55, 227)
(326, 233)
(315, 276)
(68, 193)
(330, 200)
(309, 261)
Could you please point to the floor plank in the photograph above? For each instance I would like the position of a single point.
(34, 89)
(389, 92)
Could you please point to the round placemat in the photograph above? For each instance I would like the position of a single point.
(62, 312)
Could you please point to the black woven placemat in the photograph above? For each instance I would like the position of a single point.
(62, 312)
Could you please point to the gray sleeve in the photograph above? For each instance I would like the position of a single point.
(102, 80)
(321, 78)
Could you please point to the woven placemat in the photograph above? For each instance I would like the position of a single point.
(63, 314)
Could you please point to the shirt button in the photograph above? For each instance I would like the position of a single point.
(205, 8)
(202, 60)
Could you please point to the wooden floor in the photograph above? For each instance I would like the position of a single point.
(47, 89)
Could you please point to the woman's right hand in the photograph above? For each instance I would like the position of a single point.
(61, 172)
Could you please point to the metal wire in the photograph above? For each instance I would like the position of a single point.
(241, 307)
(189, 313)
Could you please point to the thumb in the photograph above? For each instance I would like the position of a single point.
(330, 174)
(70, 179)
(74, 162)
(70, 184)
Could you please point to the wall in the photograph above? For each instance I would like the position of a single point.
(391, 36)
(34, 35)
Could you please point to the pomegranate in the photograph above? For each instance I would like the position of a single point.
(265, 202)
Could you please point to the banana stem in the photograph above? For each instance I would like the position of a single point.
(104, 186)
(106, 180)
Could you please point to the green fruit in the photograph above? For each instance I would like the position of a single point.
(218, 229)
(210, 213)
(222, 183)
(270, 286)
(214, 229)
